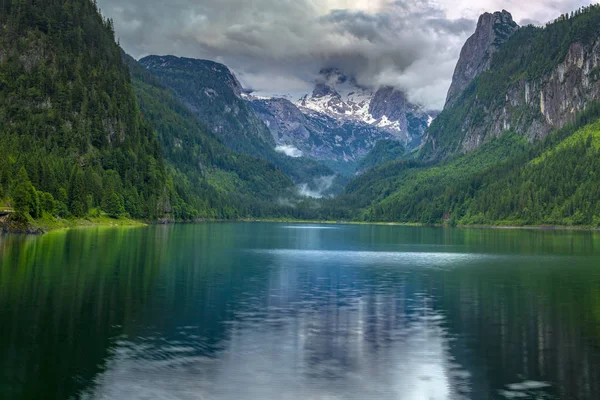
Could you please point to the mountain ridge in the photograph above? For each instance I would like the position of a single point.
(341, 121)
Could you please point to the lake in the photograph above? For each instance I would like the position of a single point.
(281, 311)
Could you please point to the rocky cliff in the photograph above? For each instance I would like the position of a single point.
(536, 82)
(476, 55)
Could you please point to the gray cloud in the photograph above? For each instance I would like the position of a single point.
(278, 46)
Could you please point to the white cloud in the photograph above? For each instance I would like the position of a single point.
(289, 151)
(318, 189)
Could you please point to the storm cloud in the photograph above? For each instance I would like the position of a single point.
(278, 46)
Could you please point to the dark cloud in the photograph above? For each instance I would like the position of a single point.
(278, 46)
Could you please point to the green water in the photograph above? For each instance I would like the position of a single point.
(276, 311)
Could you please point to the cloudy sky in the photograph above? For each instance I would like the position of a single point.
(278, 46)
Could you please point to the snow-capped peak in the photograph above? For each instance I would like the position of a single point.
(339, 97)
(342, 98)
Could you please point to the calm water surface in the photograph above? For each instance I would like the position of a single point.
(276, 311)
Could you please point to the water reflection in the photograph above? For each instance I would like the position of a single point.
(309, 348)
(229, 311)
(62, 298)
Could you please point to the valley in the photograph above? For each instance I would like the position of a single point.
(182, 140)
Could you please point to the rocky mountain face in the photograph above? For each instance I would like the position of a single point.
(341, 122)
(341, 97)
(476, 55)
(338, 143)
(536, 82)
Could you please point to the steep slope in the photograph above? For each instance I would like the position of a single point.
(73, 140)
(476, 55)
(554, 182)
(537, 82)
(214, 95)
(217, 182)
(341, 98)
(383, 152)
(408, 183)
(337, 143)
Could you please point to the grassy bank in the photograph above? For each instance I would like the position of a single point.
(43, 225)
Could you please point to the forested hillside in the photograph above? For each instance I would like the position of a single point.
(383, 152)
(217, 182)
(73, 140)
(505, 182)
(75, 144)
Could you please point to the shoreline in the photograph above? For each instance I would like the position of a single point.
(41, 227)
(533, 227)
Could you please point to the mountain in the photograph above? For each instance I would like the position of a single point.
(383, 152)
(213, 93)
(537, 81)
(519, 146)
(342, 98)
(73, 139)
(341, 122)
(216, 181)
(476, 55)
(337, 143)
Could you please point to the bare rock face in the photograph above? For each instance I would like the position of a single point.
(340, 142)
(492, 31)
(534, 107)
(552, 101)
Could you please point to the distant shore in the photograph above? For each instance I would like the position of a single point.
(532, 227)
(415, 224)
(42, 226)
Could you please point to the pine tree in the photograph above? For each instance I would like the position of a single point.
(77, 195)
(26, 202)
(114, 206)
